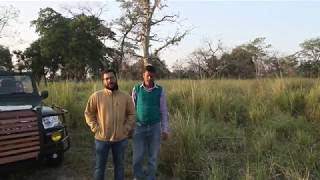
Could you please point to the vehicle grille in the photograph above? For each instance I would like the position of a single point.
(19, 136)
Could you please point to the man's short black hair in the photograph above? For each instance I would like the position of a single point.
(108, 71)
(150, 68)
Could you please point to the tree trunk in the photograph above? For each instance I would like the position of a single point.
(145, 46)
(146, 31)
(44, 77)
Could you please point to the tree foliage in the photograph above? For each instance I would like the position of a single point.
(71, 46)
(5, 58)
(54, 38)
(248, 60)
(310, 50)
(76, 46)
(309, 56)
(258, 49)
(238, 64)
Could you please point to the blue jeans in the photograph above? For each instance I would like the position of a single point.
(146, 137)
(102, 151)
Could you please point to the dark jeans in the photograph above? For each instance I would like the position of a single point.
(149, 137)
(102, 151)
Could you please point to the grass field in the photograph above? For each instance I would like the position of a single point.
(221, 129)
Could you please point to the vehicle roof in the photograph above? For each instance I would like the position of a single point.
(11, 73)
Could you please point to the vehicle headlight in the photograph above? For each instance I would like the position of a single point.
(51, 121)
(56, 136)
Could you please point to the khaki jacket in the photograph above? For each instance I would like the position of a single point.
(110, 115)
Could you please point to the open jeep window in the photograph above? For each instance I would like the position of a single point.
(16, 84)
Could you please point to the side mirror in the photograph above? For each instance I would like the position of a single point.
(44, 94)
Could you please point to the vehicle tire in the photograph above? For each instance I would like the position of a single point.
(55, 159)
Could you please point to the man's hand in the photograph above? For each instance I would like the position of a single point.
(165, 135)
(130, 133)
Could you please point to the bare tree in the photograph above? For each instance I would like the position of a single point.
(205, 61)
(137, 23)
(95, 9)
(126, 26)
(7, 14)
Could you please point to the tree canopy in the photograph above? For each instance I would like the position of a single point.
(80, 45)
(71, 46)
(5, 58)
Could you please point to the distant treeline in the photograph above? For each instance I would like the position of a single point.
(79, 46)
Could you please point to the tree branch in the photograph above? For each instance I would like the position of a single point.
(174, 40)
(167, 18)
(155, 5)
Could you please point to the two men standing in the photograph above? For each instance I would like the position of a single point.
(110, 114)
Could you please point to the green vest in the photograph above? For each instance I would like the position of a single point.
(148, 105)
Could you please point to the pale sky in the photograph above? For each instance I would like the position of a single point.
(285, 24)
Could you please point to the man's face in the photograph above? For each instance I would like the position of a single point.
(109, 81)
(148, 78)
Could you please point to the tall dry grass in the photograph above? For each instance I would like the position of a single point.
(221, 129)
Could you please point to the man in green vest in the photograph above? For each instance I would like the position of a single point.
(151, 123)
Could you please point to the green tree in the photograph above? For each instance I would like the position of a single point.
(5, 58)
(31, 59)
(310, 50)
(238, 64)
(36, 62)
(258, 48)
(283, 66)
(87, 51)
(74, 46)
(309, 69)
(54, 33)
(309, 57)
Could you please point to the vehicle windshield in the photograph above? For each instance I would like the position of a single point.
(15, 84)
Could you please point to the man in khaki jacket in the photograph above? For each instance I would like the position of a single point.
(110, 115)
